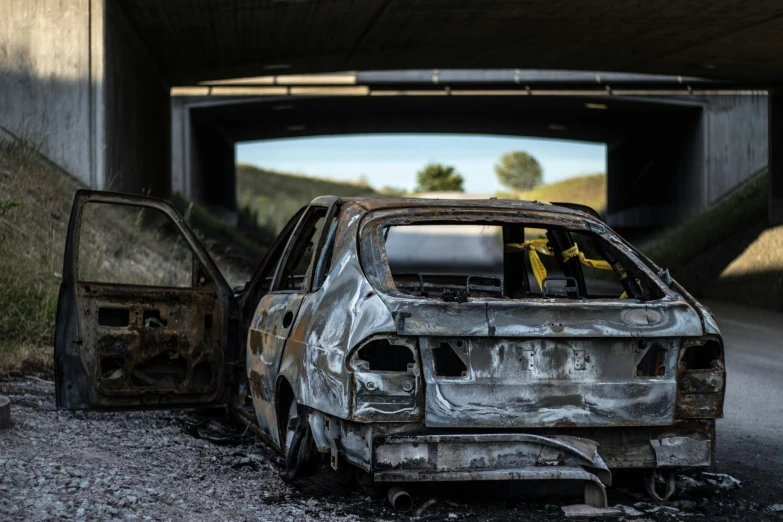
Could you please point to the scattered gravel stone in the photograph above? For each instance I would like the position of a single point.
(179, 465)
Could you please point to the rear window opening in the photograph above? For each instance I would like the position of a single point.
(454, 262)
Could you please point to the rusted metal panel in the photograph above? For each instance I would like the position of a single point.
(618, 447)
(543, 318)
(484, 451)
(682, 452)
(701, 390)
(387, 395)
(331, 321)
(177, 356)
(265, 345)
(537, 383)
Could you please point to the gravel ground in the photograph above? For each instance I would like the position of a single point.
(151, 466)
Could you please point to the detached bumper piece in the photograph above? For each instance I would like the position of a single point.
(428, 458)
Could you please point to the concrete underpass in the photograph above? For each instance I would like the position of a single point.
(90, 79)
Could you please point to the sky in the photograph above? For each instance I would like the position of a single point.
(393, 159)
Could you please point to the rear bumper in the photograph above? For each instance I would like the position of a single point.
(410, 452)
(556, 473)
(518, 456)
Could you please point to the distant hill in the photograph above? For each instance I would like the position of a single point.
(587, 189)
(273, 197)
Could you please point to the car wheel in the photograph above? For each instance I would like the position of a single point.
(301, 455)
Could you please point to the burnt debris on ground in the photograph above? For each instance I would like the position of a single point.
(189, 465)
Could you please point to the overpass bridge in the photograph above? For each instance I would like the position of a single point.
(91, 80)
(674, 145)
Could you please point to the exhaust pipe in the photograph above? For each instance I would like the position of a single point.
(400, 499)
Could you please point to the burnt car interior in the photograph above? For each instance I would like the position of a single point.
(510, 260)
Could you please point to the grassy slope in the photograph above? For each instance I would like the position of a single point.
(744, 206)
(35, 201)
(588, 189)
(35, 204)
(274, 197)
(755, 278)
(699, 250)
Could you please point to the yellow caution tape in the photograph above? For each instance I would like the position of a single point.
(570, 253)
(533, 247)
(536, 246)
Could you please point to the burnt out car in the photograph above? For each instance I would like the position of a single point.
(415, 340)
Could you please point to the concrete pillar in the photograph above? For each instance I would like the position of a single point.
(51, 80)
(776, 157)
(77, 82)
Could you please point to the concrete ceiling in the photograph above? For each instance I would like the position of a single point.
(595, 119)
(197, 40)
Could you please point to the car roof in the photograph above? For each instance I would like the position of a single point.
(371, 204)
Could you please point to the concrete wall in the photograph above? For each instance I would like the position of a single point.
(735, 141)
(776, 158)
(75, 80)
(676, 170)
(656, 178)
(47, 88)
(137, 112)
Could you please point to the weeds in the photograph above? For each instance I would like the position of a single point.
(587, 189)
(273, 197)
(742, 207)
(9, 204)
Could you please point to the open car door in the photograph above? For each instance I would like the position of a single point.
(143, 313)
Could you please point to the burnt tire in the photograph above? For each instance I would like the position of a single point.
(301, 454)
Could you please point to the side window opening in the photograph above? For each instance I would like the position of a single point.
(301, 252)
(324, 263)
(134, 245)
(454, 262)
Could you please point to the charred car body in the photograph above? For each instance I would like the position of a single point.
(378, 332)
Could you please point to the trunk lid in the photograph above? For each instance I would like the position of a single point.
(548, 363)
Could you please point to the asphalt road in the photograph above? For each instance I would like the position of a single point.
(750, 436)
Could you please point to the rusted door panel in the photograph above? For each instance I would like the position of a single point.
(269, 331)
(170, 349)
(129, 347)
(532, 383)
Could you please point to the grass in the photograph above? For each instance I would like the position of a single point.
(273, 197)
(34, 209)
(587, 189)
(744, 206)
(35, 203)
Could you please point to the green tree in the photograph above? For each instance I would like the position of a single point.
(435, 177)
(518, 170)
